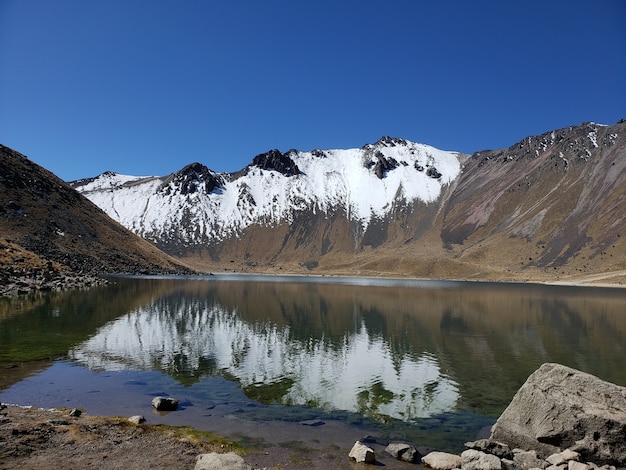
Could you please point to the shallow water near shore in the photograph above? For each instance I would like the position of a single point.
(287, 358)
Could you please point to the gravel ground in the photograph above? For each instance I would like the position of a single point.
(33, 438)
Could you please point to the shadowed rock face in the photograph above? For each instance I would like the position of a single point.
(560, 408)
(381, 164)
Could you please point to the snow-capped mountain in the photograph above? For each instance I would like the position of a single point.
(197, 206)
(549, 206)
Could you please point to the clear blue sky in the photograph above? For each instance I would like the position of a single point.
(144, 87)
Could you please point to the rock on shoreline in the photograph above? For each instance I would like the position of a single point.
(562, 408)
(561, 418)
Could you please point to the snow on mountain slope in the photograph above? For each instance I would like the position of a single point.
(197, 205)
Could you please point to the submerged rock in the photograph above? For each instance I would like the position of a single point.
(164, 404)
(402, 451)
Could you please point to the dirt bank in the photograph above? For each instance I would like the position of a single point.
(33, 438)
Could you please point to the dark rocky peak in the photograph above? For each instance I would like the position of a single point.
(381, 164)
(277, 161)
(192, 178)
(385, 141)
(318, 153)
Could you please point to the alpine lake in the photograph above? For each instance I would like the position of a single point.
(429, 362)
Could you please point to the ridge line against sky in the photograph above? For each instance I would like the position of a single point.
(145, 88)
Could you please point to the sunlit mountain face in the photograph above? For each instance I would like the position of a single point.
(197, 206)
(548, 208)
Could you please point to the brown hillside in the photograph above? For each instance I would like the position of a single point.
(549, 208)
(550, 205)
(43, 219)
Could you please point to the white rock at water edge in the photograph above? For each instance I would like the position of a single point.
(361, 453)
(137, 419)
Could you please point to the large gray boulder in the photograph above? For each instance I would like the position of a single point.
(560, 408)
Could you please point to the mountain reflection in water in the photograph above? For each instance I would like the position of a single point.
(379, 350)
(394, 351)
(359, 372)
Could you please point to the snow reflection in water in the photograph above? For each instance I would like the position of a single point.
(358, 373)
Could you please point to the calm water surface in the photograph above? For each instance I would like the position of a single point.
(432, 362)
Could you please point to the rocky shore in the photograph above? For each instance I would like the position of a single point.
(559, 419)
(19, 281)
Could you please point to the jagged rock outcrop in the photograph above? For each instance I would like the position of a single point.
(275, 160)
(560, 408)
(192, 178)
(381, 164)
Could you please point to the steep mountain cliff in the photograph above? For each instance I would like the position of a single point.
(45, 224)
(549, 207)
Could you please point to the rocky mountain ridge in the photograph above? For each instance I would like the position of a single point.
(549, 207)
(196, 207)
